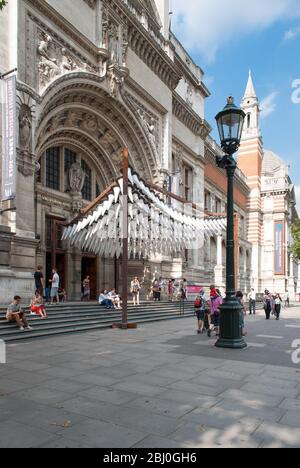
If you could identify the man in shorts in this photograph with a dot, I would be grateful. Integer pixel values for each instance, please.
(16, 314)
(54, 286)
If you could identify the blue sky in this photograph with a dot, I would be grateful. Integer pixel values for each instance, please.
(229, 37)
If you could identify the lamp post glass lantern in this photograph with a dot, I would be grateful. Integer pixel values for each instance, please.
(230, 125)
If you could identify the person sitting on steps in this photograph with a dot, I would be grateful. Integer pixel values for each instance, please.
(16, 314)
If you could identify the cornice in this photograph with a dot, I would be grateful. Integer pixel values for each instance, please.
(149, 45)
(199, 85)
(189, 118)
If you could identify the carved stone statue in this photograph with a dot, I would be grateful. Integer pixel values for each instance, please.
(67, 63)
(152, 130)
(76, 178)
(113, 44)
(25, 128)
(48, 67)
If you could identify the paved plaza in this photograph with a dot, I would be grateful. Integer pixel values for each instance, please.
(161, 386)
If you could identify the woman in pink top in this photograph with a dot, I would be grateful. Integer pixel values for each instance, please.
(216, 301)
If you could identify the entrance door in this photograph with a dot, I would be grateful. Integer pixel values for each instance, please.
(55, 257)
(89, 268)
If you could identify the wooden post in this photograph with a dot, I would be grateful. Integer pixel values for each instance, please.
(125, 325)
(125, 240)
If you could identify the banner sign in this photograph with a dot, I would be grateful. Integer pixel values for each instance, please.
(279, 248)
(9, 137)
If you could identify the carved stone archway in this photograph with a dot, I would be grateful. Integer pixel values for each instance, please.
(77, 108)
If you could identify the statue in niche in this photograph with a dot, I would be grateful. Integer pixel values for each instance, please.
(152, 130)
(25, 128)
(76, 178)
(113, 44)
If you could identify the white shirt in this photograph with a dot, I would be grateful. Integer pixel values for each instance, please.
(252, 296)
(55, 281)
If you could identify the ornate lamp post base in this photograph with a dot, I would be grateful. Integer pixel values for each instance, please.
(231, 325)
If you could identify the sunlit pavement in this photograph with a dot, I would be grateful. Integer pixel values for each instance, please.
(159, 386)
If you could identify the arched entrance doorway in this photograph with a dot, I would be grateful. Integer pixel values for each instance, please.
(80, 134)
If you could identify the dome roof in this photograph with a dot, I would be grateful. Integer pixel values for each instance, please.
(271, 162)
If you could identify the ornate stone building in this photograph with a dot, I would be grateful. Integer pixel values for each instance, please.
(95, 76)
(271, 207)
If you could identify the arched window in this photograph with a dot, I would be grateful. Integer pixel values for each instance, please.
(53, 168)
(87, 188)
(248, 120)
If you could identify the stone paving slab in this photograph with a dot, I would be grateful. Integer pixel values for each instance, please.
(153, 387)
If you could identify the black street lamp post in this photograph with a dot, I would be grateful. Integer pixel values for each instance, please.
(230, 125)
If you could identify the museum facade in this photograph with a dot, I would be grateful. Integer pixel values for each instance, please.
(85, 90)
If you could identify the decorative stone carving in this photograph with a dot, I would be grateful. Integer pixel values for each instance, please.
(25, 128)
(190, 95)
(113, 43)
(148, 120)
(116, 78)
(125, 45)
(55, 60)
(76, 178)
(77, 205)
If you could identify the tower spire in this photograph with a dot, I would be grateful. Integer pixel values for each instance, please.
(250, 91)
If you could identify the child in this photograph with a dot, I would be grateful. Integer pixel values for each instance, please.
(37, 307)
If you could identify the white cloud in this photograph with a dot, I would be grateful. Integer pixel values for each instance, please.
(205, 25)
(292, 33)
(268, 104)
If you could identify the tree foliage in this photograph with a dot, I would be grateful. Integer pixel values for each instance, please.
(2, 4)
(296, 239)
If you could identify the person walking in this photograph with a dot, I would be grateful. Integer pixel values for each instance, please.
(39, 281)
(252, 302)
(268, 304)
(277, 306)
(54, 286)
(86, 284)
(287, 299)
(135, 291)
(216, 301)
(16, 314)
(200, 309)
(156, 290)
(171, 288)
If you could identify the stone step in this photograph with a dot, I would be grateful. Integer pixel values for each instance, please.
(66, 328)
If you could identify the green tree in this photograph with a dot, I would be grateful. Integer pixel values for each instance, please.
(296, 239)
(2, 4)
